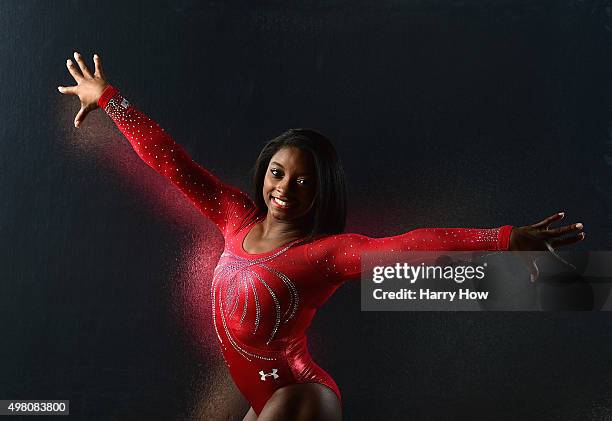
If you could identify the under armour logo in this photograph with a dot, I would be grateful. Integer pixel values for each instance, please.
(273, 374)
(125, 103)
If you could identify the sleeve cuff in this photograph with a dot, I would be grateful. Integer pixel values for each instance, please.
(106, 96)
(503, 241)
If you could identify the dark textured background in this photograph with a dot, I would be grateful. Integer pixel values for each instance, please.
(446, 113)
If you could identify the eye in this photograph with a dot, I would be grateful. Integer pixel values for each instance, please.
(276, 173)
(304, 182)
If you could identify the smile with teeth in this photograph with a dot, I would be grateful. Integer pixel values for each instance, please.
(281, 203)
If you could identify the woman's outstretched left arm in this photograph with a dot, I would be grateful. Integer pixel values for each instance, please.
(339, 256)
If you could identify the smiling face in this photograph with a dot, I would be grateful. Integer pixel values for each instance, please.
(290, 184)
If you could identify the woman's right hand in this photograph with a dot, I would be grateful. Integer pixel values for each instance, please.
(89, 87)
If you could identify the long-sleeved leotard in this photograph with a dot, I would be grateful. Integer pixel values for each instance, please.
(263, 303)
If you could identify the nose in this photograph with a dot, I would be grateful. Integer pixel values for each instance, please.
(283, 185)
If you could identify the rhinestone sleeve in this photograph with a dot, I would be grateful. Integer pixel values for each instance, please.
(339, 256)
(222, 204)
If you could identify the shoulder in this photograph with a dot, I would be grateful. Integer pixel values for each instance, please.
(324, 246)
(241, 210)
(337, 256)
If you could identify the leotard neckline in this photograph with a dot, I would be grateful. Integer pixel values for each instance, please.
(248, 229)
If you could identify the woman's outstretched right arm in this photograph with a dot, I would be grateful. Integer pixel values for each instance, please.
(222, 204)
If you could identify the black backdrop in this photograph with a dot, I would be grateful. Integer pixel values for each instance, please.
(445, 113)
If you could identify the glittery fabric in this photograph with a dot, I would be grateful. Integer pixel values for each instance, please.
(264, 303)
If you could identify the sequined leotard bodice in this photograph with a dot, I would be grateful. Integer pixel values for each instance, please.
(263, 303)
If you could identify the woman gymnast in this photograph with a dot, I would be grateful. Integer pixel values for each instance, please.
(285, 251)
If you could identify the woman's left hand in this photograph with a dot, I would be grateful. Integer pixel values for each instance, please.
(540, 237)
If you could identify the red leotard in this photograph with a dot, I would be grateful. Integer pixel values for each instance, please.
(263, 303)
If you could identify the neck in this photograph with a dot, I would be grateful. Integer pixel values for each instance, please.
(272, 229)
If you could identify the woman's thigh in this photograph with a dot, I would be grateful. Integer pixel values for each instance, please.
(302, 402)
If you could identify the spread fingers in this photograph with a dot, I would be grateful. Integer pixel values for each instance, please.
(82, 65)
(69, 90)
(99, 72)
(566, 241)
(74, 71)
(547, 221)
(557, 232)
(80, 116)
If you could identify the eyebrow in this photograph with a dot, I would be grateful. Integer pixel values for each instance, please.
(281, 165)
